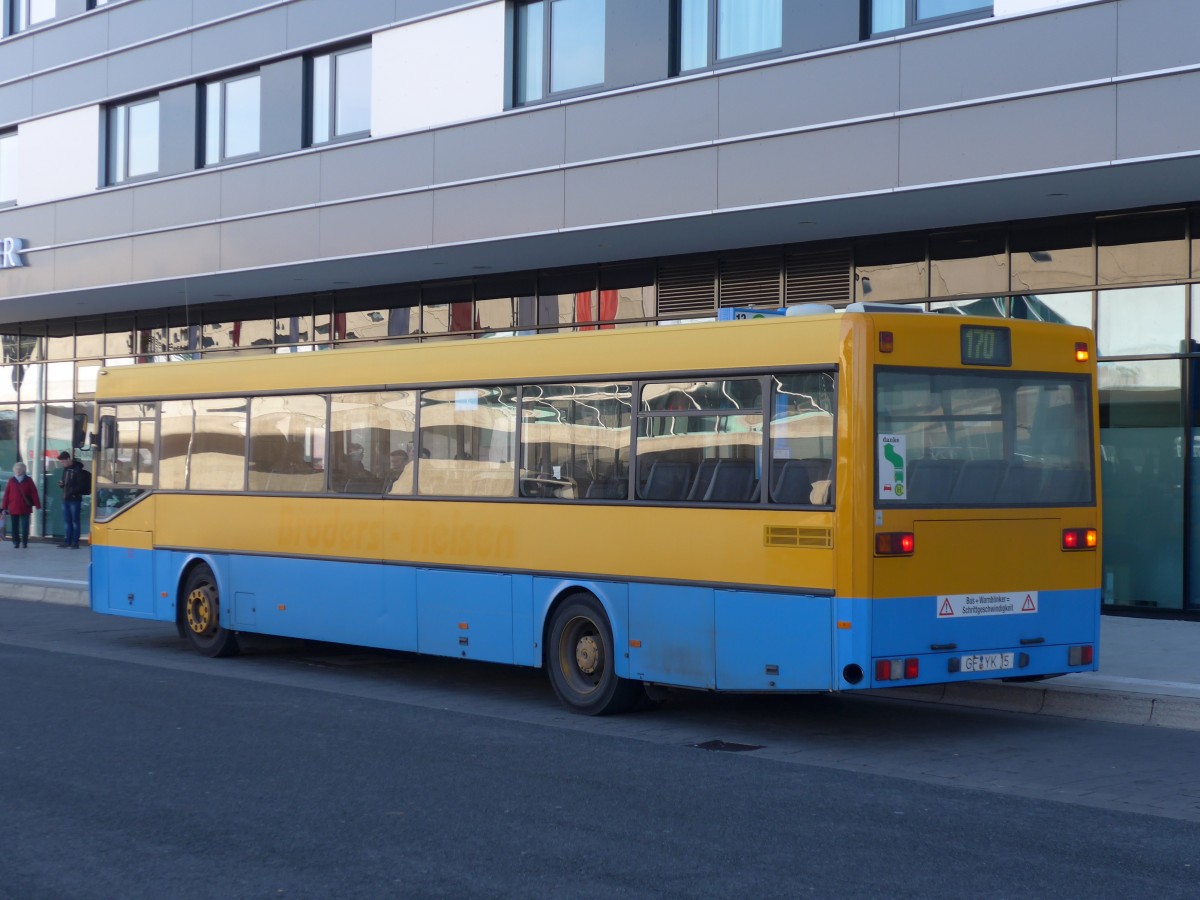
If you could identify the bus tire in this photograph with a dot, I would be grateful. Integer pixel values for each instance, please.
(581, 659)
(201, 615)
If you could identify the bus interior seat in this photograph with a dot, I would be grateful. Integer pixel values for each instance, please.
(979, 480)
(1022, 483)
(606, 490)
(792, 485)
(1066, 485)
(731, 481)
(818, 468)
(667, 481)
(932, 480)
(704, 477)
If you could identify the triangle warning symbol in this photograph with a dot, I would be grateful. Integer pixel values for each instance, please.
(946, 609)
(1029, 605)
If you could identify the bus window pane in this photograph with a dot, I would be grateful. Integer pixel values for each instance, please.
(468, 442)
(287, 444)
(380, 427)
(217, 461)
(575, 441)
(802, 429)
(700, 441)
(175, 422)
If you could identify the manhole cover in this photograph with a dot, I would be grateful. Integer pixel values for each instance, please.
(725, 746)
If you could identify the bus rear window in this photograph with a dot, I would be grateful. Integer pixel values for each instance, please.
(955, 439)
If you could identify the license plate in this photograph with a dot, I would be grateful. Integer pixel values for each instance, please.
(986, 662)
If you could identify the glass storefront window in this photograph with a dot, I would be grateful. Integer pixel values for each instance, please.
(1056, 255)
(1142, 247)
(1141, 438)
(968, 262)
(891, 270)
(1137, 321)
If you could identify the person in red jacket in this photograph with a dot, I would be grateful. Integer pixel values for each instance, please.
(19, 501)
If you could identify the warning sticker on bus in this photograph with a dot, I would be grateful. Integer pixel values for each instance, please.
(961, 606)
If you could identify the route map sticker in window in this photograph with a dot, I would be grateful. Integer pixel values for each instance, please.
(891, 467)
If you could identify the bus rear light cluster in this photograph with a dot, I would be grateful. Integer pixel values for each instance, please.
(1080, 656)
(896, 669)
(895, 543)
(1080, 539)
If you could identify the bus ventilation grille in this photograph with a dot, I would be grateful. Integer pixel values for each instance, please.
(795, 536)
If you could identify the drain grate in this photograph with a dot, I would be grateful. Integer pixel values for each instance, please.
(725, 747)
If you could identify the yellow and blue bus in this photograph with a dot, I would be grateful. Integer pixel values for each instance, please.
(825, 502)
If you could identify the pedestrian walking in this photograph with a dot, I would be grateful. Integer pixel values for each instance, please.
(76, 483)
(19, 501)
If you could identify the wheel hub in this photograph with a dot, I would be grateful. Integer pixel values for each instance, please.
(199, 610)
(587, 654)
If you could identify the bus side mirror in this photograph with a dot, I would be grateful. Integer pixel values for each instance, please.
(79, 431)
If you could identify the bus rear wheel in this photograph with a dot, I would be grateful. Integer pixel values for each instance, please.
(201, 615)
(580, 660)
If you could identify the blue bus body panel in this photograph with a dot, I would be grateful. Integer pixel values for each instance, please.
(122, 582)
(769, 642)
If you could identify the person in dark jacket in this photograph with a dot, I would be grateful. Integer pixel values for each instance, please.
(20, 499)
(75, 483)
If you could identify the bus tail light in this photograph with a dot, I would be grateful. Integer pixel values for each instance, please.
(895, 543)
(1080, 656)
(897, 669)
(1082, 353)
(1079, 539)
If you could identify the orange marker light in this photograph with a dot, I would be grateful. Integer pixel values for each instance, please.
(1082, 353)
(635, 644)
(886, 342)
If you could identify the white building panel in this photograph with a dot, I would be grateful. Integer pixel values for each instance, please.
(446, 69)
(1016, 7)
(59, 156)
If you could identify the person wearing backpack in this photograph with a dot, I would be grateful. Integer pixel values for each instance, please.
(19, 501)
(76, 484)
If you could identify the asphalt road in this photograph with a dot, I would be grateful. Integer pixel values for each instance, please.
(129, 767)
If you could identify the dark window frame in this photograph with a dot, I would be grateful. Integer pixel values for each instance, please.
(310, 76)
(712, 60)
(546, 94)
(222, 119)
(111, 175)
(984, 10)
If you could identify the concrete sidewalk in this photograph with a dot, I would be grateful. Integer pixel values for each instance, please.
(1150, 669)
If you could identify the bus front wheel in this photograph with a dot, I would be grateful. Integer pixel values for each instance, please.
(580, 660)
(201, 615)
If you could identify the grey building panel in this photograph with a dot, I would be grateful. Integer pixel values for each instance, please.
(316, 21)
(270, 240)
(17, 58)
(1149, 122)
(92, 265)
(1157, 34)
(129, 23)
(276, 184)
(673, 115)
(64, 8)
(1073, 46)
(526, 140)
(131, 70)
(643, 52)
(283, 108)
(16, 102)
(809, 165)
(73, 86)
(409, 9)
(74, 40)
(33, 223)
(648, 188)
(178, 132)
(176, 254)
(177, 202)
(235, 41)
(208, 10)
(374, 226)
(35, 277)
(1031, 134)
(358, 170)
(818, 24)
(496, 209)
(810, 91)
(101, 215)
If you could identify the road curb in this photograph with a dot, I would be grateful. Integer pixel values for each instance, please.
(1141, 703)
(45, 590)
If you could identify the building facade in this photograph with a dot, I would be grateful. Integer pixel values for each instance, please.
(186, 178)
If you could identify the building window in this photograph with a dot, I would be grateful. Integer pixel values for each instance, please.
(22, 14)
(558, 47)
(232, 113)
(341, 94)
(712, 31)
(132, 140)
(896, 15)
(8, 167)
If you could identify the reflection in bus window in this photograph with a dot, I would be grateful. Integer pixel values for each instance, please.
(287, 444)
(802, 429)
(203, 445)
(700, 441)
(575, 441)
(467, 442)
(379, 425)
(124, 468)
